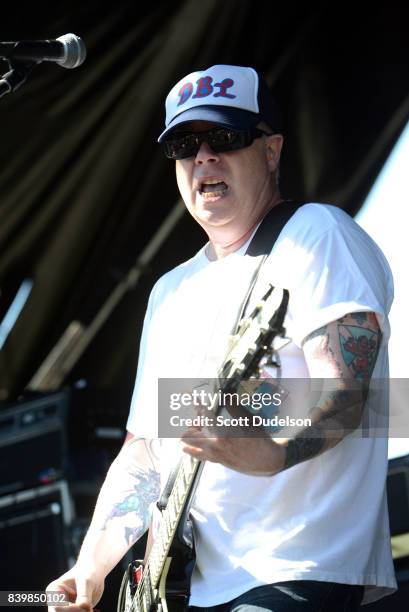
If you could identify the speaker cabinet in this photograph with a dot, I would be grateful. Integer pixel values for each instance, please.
(33, 534)
(32, 442)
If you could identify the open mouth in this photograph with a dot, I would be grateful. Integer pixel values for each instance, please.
(212, 188)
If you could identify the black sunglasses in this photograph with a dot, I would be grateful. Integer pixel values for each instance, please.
(186, 144)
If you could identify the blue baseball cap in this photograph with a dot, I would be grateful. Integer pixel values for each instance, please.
(235, 97)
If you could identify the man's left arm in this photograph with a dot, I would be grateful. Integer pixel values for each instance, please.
(342, 353)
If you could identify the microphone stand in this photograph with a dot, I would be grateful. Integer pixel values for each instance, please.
(17, 75)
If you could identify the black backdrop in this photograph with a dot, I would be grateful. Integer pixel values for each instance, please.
(84, 185)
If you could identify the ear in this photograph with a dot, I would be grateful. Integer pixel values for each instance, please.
(274, 145)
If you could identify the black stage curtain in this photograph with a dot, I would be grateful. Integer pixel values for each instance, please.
(84, 185)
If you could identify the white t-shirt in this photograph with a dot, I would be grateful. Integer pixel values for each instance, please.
(324, 519)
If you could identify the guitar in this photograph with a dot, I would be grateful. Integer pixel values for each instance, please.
(163, 582)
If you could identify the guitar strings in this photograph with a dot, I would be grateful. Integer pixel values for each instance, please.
(146, 576)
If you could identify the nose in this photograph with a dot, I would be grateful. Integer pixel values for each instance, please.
(206, 154)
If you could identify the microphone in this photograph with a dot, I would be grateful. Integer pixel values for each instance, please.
(68, 51)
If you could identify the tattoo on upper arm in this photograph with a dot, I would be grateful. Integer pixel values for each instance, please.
(360, 317)
(359, 347)
(359, 339)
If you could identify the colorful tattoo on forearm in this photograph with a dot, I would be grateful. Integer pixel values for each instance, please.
(136, 503)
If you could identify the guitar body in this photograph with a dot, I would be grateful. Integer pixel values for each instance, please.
(173, 592)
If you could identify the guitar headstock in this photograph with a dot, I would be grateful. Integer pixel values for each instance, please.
(255, 336)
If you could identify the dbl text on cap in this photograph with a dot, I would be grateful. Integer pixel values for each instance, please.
(231, 96)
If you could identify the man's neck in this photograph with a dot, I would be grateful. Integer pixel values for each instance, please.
(217, 248)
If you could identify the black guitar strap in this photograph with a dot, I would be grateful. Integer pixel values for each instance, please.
(261, 244)
(270, 228)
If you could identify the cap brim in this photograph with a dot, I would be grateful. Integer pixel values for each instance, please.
(235, 118)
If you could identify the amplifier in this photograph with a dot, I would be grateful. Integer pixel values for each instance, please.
(33, 532)
(32, 442)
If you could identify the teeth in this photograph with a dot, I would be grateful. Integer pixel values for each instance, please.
(212, 182)
(211, 194)
(211, 188)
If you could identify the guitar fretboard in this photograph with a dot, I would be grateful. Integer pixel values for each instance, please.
(170, 517)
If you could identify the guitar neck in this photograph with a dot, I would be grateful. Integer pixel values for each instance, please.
(187, 474)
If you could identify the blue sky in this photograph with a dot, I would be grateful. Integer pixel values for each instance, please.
(384, 216)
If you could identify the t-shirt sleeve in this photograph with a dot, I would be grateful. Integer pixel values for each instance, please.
(142, 419)
(331, 273)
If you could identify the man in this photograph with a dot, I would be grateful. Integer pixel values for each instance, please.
(297, 523)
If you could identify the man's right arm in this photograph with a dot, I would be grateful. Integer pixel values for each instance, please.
(121, 517)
